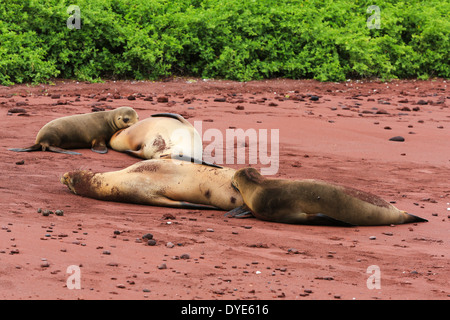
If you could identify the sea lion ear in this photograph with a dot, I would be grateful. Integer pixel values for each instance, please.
(253, 175)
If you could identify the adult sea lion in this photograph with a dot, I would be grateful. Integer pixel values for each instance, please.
(163, 135)
(82, 131)
(160, 182)
(312, 202)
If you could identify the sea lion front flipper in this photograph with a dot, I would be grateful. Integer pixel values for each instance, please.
(99, 146)
(34, 147)
(60, 150)
(322, 219)
(240, 213)
(166, 202)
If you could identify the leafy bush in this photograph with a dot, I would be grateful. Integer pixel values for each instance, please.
(233, 39)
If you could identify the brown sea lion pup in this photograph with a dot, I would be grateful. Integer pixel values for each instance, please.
(163, 135)
(312, 202)
(160, 182)
(89, 130)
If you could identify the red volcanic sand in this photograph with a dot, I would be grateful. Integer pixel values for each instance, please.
(342, 137)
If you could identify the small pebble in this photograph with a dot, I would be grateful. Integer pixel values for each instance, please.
(397, 138)
(151, 242)
(372, 238)
(162, 266)
(147, 236)
(170, 245)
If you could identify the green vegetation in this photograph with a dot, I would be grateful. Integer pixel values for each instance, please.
(232, 39)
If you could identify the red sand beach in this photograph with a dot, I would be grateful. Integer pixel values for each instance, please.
(338, 132)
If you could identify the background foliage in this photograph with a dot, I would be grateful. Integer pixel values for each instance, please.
(232, 39)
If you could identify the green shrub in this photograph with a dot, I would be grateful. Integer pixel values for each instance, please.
(233, 39)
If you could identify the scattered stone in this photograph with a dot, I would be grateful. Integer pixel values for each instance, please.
(170, 245)
(151, 242)
(116, 232)
(314, 98)
(185, 256)
(397, 138)
(240, 108)
(168, 216)
(162, 266)
(21, 162)
(59, 212)
(147, 236)
(422, 102)
(273, 104)
(17, 110)
(162, 99)
(107, 252)
(222, 99)
(210, 230)
(372, 238)
(113, 264)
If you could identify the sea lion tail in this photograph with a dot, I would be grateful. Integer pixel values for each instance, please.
(34, 147)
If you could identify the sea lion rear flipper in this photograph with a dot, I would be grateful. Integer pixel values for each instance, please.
(412, 218)
(322, 219)
(240, 212)
(99, 147)
(34, 147)
(60, 150)
(190, 159)
(171, 115)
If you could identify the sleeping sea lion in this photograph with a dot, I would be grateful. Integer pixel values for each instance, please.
(160, 182)
(312, 202)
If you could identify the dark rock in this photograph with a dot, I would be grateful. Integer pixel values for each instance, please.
(397, 138)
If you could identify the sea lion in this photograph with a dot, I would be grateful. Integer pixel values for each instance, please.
(163, 135)
(160, 182)
(312, 202)
(89, 130)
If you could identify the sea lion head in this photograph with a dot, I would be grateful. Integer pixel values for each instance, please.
(246, 177)
(124, 117)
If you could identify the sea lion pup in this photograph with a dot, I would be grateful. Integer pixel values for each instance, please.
(89, 130)
(160, 182)
(313, 202)
(163, 135)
